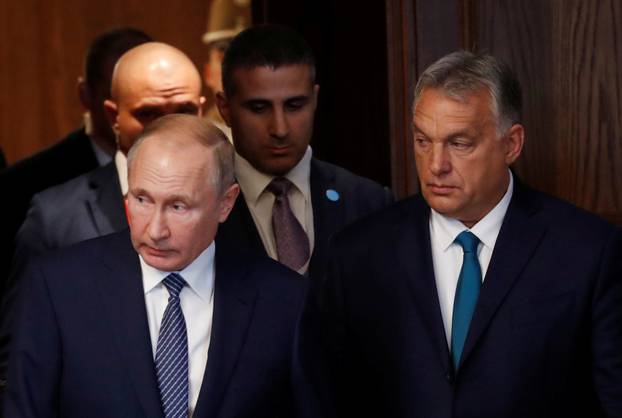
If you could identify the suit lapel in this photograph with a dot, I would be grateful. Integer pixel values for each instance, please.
(412, 242)
(239, 230)
(234, 301)
(124, 301)
(105, 202)
(518, 239)
(327, 213)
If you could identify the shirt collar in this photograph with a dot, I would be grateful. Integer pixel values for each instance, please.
(253, 182)
(120, 161)
(486, 230)
(199, 275)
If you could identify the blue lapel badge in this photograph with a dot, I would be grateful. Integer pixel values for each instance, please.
(332, 195)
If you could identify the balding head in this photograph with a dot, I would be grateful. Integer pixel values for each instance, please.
(149, 81)
(181, 188)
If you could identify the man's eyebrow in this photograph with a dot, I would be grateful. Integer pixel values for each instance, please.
(257, 100)
(299, 97)
(138, 191)
(178, 196)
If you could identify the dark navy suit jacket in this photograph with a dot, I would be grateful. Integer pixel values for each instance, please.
(545, 339)
(354, 198)
(82, 349)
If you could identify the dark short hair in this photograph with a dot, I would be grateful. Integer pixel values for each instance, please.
(109, 46)
(265, 46)
(461, 73)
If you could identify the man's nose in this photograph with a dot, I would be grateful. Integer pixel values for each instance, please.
(279, 126)
(439, 160)
(158, 227)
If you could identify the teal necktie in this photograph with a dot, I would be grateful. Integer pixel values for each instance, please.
(467, 291)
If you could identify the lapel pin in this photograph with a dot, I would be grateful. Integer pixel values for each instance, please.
(332, 195)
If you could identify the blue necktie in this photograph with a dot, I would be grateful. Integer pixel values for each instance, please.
(467, 291)
(172, 353)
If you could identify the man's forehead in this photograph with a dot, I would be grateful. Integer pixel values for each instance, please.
(269, 80)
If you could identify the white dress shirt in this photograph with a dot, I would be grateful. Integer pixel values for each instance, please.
(260, 201)
(197, 305)
(447, 255)
(120, 161)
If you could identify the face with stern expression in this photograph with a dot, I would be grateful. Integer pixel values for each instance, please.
(174, 202)
(270, 113)
(462, 158)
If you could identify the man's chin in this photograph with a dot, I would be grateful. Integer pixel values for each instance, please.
(160, 260)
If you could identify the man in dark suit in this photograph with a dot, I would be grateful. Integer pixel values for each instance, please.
(79, 152)
(149, 81)
(160, 320)
(291, 201)
(478, 298)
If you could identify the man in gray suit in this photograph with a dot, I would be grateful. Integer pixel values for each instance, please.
(149, 81)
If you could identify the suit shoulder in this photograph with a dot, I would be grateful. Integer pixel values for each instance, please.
(385, 221)
(59, 162)
(80, 254)
(347, 179)
(65, 194)
(272, 277)
(563, 215)
(62, 196)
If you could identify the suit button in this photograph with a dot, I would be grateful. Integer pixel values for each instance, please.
(450, 377)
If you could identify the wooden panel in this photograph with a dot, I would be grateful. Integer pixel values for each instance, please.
(401, 59)
(42, 51)
(520, 34)
(568, 56)
(587, 57)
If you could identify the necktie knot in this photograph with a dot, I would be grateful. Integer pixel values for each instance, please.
(279, 187)
(174, 283)
(468, 241)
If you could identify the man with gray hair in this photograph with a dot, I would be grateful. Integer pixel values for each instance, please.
(480, 297)
(160, 320)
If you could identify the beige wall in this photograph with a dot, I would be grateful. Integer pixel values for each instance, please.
(42, 46)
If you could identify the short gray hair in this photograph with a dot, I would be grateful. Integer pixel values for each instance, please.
(203, 133)
(462, 73)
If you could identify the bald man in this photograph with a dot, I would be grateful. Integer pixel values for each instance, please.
(149, 81)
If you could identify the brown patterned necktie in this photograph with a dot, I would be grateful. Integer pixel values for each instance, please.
(292, 243)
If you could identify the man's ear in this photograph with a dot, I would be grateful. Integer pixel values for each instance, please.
(84, 94)
(223, 107)
(227, 201)
(316, 92)
(112, 111)
(515, 139)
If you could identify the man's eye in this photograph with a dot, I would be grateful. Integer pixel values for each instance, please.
(422, 142)
(257, 107)
(178, 207)
(460, 145)
(295, 105)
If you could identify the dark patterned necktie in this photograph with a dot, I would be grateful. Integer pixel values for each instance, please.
(172, 353)
(292, 243)
(467, 292)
